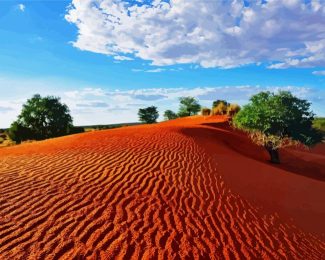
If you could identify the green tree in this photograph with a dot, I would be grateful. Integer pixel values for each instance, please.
(188, 106)
(19, 133)
(148, 115)
(170, 115)
(278, 120)
(41, 118)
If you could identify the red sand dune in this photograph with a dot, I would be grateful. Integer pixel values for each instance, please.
(188, 188)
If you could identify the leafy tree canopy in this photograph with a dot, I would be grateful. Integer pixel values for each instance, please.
(188, 106)
(41, 118)
(278, 120)
(170, 115)
(148, 115)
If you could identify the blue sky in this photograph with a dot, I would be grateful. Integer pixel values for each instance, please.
(106, 58)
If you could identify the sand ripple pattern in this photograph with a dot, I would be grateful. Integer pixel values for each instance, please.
(137, 193)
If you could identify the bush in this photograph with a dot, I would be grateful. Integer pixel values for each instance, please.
(319, 123)
(188, 106)
(278, 120)
(170, 115)
(148, 115)
(18, 133)
(76, 130)
(205, 111)
(220, 109)
(233, 109)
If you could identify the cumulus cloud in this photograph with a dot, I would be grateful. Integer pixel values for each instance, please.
(168, 98)
(319, 72)
(102, 106)
(212, 33)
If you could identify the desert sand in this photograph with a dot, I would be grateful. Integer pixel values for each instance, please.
(183, 189)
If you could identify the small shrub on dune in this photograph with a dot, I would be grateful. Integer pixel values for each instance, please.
(233, 109)
(170, 115)
(205, 111)
(220, 109)
(18, 133)
(276, 121)
(76, 130)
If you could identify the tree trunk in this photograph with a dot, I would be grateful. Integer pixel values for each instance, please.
(274, 153)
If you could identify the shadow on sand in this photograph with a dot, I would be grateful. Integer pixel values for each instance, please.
(296, 160)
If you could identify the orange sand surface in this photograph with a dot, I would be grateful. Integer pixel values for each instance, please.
(183, 189)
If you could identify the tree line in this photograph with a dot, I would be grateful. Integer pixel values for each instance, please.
(271, 120)
(189, 106)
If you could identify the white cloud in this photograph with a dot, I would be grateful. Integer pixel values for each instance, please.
(100, 106)
(157, 70)
(319, 72)
(212, 33)
(119, 58)
(89, 92)
(21, 7)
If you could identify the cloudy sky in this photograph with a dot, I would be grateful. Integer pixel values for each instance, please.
(108, 58)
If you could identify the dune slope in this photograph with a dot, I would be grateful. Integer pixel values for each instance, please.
(186, 188)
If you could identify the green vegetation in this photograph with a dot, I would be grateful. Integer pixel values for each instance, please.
(170, 115)
(319, 123)
(148, 115)
(233, 109)
(189, 106)
(278, 120)
(41, 118)
(222, 107)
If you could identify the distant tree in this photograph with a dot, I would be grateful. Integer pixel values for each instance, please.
(76, 130)
(148, 115)
(188, 106)
(170, 115)
(41, 118)
(205, 111)
(278, 120)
